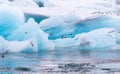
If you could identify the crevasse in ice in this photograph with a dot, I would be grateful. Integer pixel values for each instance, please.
(67, 29)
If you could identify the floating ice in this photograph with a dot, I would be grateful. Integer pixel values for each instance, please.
(27, 38)
(51, 22)
(2, 44)
(31, 30)
(59, 26)
(10, 19)
(15, 46)
(100, 38)
(33, 42)
(69, 30)
(75, 26)
(23, 3)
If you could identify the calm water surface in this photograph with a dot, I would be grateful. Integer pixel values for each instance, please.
(47, 62)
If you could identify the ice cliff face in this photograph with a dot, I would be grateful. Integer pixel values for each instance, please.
(66, 24)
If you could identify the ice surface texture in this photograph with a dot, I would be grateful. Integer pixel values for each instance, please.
(10, 19)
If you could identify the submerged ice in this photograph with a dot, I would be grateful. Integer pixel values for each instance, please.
(67, 29)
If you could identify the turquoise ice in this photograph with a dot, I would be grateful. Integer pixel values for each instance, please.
(10, 19)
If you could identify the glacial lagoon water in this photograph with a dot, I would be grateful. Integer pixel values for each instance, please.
(67, 61)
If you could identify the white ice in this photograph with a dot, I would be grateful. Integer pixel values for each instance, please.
(15, 46)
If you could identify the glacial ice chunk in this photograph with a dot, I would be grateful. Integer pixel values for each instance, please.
(59, 26)
(24, 3)
(69, 30)
(99, 38)
(53, 21)
(15, 46)
(31, 30)
(10, 19)
(2, 44)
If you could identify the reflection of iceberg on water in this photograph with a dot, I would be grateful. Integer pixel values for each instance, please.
(68, 29)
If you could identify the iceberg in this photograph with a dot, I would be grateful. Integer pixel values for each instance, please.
(96, 39)
(23, 3)
(59, 26)
(63, 28)
(49, 23)
(29, 27)
(105, 38)
(16, 46)
(10, 21)
(31, 30)
(27, 38)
